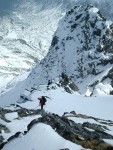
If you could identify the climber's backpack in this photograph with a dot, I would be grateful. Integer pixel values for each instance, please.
(44, 100)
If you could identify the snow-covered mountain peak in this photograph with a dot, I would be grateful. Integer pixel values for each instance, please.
(104, 6)
(81, 48)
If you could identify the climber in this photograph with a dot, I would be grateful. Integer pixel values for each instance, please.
(42, 101)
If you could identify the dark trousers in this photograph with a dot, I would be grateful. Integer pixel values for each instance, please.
(41, 106)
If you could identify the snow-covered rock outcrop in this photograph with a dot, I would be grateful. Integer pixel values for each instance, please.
(104, 6)
(86, 134)
(82, 48)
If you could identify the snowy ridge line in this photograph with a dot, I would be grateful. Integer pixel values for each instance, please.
(102, 121)
(82, 134)
(16, 135)
(104, 6)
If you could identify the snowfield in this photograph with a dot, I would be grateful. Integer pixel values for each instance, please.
(42, 136)
(60, 101)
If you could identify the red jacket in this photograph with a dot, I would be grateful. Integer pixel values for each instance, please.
(41, 101)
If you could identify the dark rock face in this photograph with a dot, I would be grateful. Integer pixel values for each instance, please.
(1, 139)
(22, 112)
(3, 112)
(109, 76)
(4, 128)
(96, 47)
(54, 41)
(68, 85)
(65, 82)
(87, 134)
(97, 32)
(77, 133)
(25, 112)
(63, 124)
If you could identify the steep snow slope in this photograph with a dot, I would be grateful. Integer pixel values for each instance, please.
(82, 48)
(10, 93)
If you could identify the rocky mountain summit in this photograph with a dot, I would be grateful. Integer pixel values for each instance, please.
(82, 48)
(104, 6)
